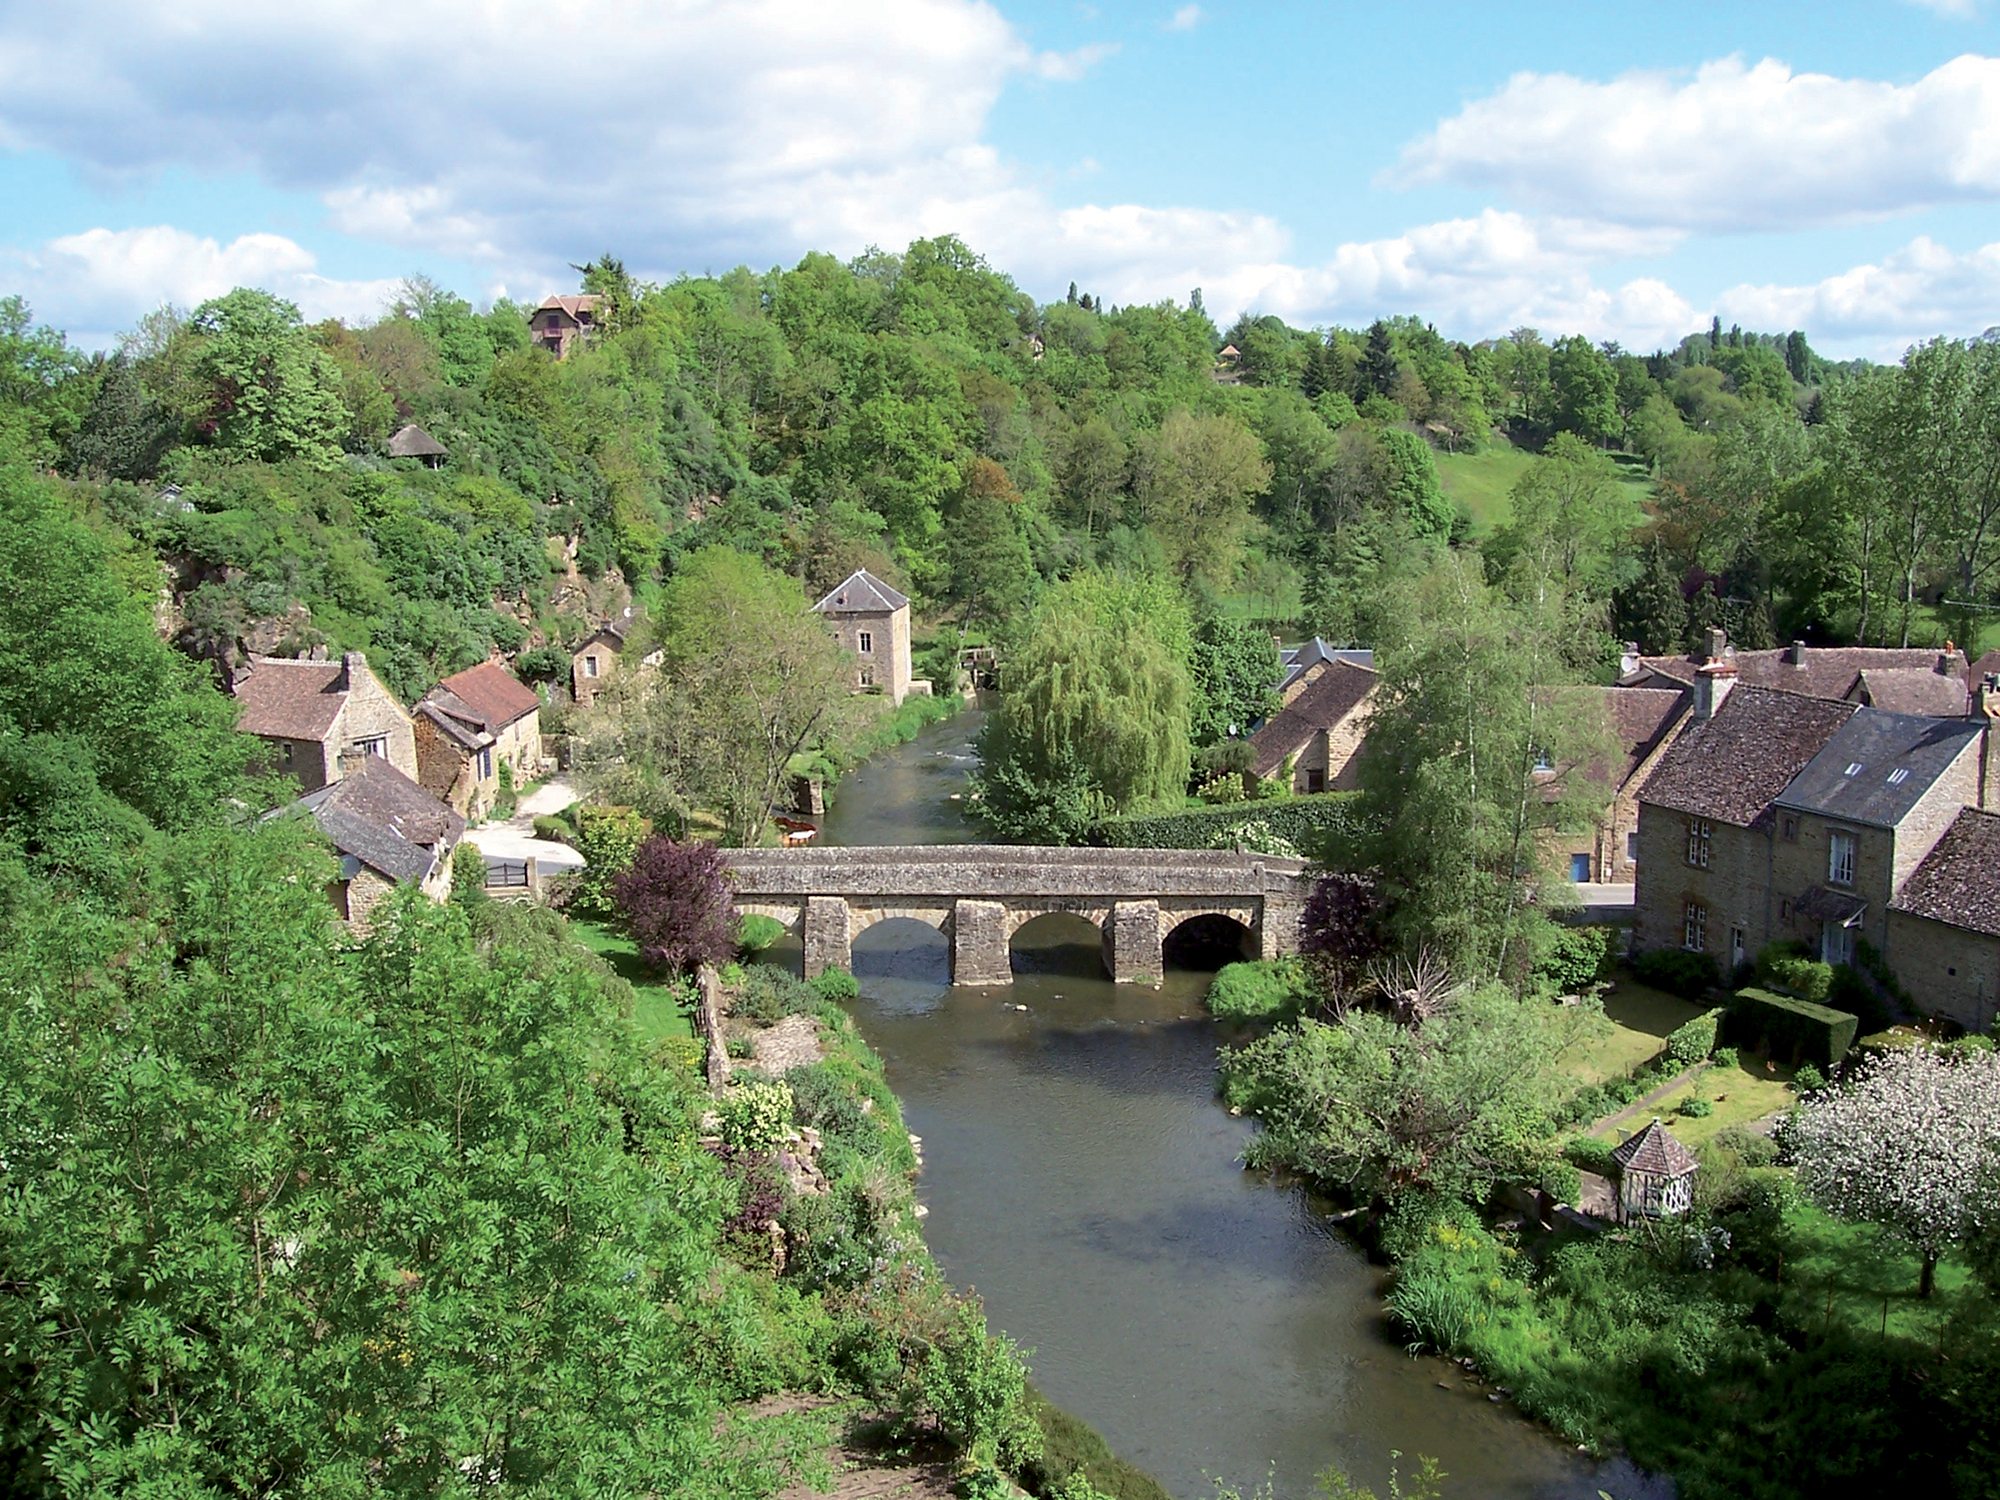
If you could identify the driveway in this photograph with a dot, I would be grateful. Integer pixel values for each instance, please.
(514, 838)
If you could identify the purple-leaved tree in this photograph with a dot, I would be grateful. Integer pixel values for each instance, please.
(675, 899)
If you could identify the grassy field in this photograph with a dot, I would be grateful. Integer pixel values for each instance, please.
(1638, 1020)
(1839, 1272)
(656, 1007)
(1481, 481)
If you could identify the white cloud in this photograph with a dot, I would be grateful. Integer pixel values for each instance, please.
(1918, 292)
(1733, 147)
(1956, 10)
(102, 279)
(1068, 67)
(1185, 19)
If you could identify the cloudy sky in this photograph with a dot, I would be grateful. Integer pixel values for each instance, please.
(1616, 169)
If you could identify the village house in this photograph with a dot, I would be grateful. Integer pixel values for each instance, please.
(308, 712)
(1778, 817)
(1903, 681)
(472, 729)
(1300, 666)
(387, 831)
(1640, 723)
(1319, 731)
(872, 623)
(560, 322)
(600, 656)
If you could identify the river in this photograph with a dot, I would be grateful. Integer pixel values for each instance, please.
(1082, 1178)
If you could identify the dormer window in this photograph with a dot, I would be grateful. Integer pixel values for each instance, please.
(1898, 776)
(1853, 769)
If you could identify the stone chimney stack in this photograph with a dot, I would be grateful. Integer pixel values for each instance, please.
(351, 759)
(1712, 685)
(1628, 658)
(352, 663)
(1717, 645)
(1795, 654)
(1951, 661)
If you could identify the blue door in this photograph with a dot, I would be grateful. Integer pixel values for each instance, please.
(1579, 868)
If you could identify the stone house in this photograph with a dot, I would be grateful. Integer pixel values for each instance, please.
(1944, 924)
(595, 662)
(1902, 681)
(560, 322)
(470, 728)
(872, 623)
(1319, 730)
(387, 830)
(309, 712)
(1301, 666)
(1640, 723)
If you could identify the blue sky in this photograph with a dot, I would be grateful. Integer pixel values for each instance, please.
(1623, 171)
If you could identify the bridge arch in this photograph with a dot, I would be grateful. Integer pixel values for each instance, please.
(1056, 940)
(905, 947)
(1207, 939)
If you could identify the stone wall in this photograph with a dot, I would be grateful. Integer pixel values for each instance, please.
(887, 659)
(369, 712)
(1735, 887)
(1946, 970)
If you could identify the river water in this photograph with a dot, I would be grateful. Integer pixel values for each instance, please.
(1082, 1178)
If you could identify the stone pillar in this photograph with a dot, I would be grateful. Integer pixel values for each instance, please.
(1278, 926)
(979, 950)
(827, 936)
(1132, 943)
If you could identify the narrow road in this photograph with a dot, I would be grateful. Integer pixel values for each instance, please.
(514, 838)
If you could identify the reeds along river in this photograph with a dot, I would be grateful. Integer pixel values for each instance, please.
(1082, 1178)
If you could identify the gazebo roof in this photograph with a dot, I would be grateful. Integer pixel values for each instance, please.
(413, 442)
(1656, 1152)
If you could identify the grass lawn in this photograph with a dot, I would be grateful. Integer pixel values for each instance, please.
(1638, 1020)
(1749, 1091)
(1482, 480)
(655, 1007)
(1857, 1274)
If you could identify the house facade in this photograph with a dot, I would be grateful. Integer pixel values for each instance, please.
(1320, 730)
(561, 322)
(1301, 666)
(471, 728)
(1640, 723)
(594, 663)
(308, 713)
(1944, 924)
(387, 831)
(872, 623)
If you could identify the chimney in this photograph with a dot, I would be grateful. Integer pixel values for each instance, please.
(1628, 659)
(1795, 654)
(351, 759)
(1717, 645)
(351, 663)
(1711, 686)
(1951, 661)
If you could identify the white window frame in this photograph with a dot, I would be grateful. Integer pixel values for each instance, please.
(1839, 869)
(375, 744)
(1694, 927)
(1700, 832)
(590, 665)
(865, 642)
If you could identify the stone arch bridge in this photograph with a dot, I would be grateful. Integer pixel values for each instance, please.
(980, 895)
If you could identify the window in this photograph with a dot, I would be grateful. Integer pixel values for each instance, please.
(590, 666)
(1784, 908)
(1853, 768)
(376, 744)
(1698, 832)
(286, 753)
(1544, 761)
(868, 677)
(1737, 947)
(1836, 943)
(1788, 827)
(1315, 781)
(1840, 858)
(1898, 776)
(1579, 869)
(1632, 847)
(866, 642)
(1694, 927)
(486, 765)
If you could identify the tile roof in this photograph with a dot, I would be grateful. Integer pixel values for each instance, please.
(292, 700)
(1831, 672)
(1958, 882)
(1655, 1151)
(1640, 718)
(379, 816)
(861, 592)
(1731, 766)
(1855, 776)
(584, 302)
(1335, 695)
(495, 695)
(1912, 690)
(462, 724)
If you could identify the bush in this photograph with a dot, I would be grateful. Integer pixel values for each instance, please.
(1795, 974)
(1416, 1219)
(1678, 972)
(1696, 1108)
(1725, 1057)
(834, 985)
(542, 664)
(1807, 1078)
(1750, 1148)
(1690, 1043)
(1852, 992)
(675, 900)
(1590, 1154)
(1795, 1030)
(766, 993)
(1257, 991)
(468, 876)
(555, 829)
(755, 933)
(975, 1385)
(1304, 822)
(607, 838)
(755, 1116)
(1561, 1181)
(1575, 958)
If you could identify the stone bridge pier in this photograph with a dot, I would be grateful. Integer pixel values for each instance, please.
(979, 897)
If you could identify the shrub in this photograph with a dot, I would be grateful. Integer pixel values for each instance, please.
(1258, 991)
(683, 1054)
(1590, 1154)
(755, 933)
(834, 985)
(755, 1115)
(1561, 1181)
(1416, 1219)
(1725, 1057)
(829, 1103)
(554, 829)
(607, 838)
(1750, 1148)
(1807, 978)
(1807, 1078)
(1258, 837)
(766, 993)
(1696, 1108)
(1574, 958)
(1796, 1030)
(542, 664)
(675, 900)
(1678, 972)
(468, 876)
(975, 1385)
(1852, 992)
(1690, 1043)
(1222, 790)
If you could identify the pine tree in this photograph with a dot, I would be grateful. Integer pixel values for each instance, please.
(1652, 611)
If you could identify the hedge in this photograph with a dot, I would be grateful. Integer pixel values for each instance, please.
(1304, 821)
(1795, 1029)
(1690, 1043)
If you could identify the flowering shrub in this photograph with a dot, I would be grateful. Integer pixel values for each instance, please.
(755, 1116)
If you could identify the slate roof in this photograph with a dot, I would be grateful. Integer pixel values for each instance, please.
(1298, 660)
(1335, 695)
(1832, 672)
(413, 442)
(1854, 776)
(1912, 690)
(292, 700)
(1732, 766)
(1958, 882)
(861, 593)
(1653, 1150)
(494, 695)
(377, 815)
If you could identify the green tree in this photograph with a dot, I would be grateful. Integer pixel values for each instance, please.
(1651, 610)
(992, 575)
(1567, 541)
(1193, 486)
(1585, 389)
(41, 402)
(1236, 671)
(1414, 490)
(268, 392)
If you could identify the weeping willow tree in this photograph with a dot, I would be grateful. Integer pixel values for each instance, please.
(1093, 717)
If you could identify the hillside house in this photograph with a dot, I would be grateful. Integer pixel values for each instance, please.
(872, 623)
(560, 322)
(1320, 729)
(473, 727)
(387, 831)
(600, 657)
(308, 712)
(1944, 924)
